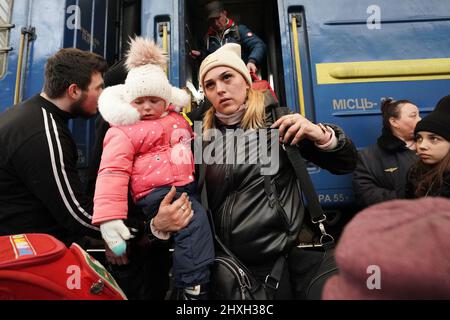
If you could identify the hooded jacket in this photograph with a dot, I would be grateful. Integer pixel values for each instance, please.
(144, 155)
(254, 226)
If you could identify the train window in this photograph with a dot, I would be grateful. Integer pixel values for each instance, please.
(5, 27)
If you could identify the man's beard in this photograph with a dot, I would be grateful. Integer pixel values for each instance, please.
(77, 110)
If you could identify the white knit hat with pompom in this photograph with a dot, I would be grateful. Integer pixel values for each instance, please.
(146, 78)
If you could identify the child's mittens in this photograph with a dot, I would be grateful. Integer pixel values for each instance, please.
(115, 233)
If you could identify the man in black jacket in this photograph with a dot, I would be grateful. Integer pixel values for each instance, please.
(40, 190)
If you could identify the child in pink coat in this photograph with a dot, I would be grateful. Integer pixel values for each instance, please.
(148, 148)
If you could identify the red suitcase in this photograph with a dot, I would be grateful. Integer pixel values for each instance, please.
(39, 267)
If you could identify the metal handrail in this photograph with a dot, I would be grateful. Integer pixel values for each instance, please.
(6, 50)
(7, 26)
(27, 34)
(165, 44)
(298, 68)
(19, 69)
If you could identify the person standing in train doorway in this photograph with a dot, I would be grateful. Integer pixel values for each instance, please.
(223, 30)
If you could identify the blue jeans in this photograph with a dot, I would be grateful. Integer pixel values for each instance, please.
(194, 246)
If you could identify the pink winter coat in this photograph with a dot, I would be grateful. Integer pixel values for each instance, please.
(152, 153)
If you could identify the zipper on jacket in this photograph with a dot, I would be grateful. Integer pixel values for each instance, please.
(228, 214)
(241, 276)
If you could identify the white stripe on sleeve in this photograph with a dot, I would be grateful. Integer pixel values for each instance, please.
(63, 169)
(55, 173)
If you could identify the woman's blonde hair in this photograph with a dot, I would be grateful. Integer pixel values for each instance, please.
(254, 118)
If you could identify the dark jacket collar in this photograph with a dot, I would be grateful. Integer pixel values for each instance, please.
(52, 108)
(390, 143)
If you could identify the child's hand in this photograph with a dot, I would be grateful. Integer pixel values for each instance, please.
(113, 259)
(115, 233)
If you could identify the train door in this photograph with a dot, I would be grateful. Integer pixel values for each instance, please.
(22, 57)
(90, 26)
(103, 27)
(341, 58)
(180, 26)
(261, 17)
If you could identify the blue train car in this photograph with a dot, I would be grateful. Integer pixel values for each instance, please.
(354, 54)
(334, 61)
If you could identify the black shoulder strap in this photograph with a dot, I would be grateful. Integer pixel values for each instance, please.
(298, 164)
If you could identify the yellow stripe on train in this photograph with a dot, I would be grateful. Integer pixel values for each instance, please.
(379, 71)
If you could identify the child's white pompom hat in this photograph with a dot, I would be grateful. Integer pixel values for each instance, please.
(146, 77)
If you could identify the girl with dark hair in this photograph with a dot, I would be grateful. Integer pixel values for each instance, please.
(381, 171)
(431, 175)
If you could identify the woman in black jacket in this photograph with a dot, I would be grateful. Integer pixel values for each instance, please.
(380, 174)
(258, 225)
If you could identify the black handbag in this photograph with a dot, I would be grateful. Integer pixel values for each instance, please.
(310, 266)
(231, 280)
(310, 269)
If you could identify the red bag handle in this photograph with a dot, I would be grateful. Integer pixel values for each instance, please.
(254, 76)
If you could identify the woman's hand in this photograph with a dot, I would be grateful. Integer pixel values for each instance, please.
(294, 127)
(173, 217)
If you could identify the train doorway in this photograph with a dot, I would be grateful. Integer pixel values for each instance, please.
(260, 16)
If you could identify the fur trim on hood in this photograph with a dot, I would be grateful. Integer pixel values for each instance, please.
(180, 98)
(115, 109)
(146, 78)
